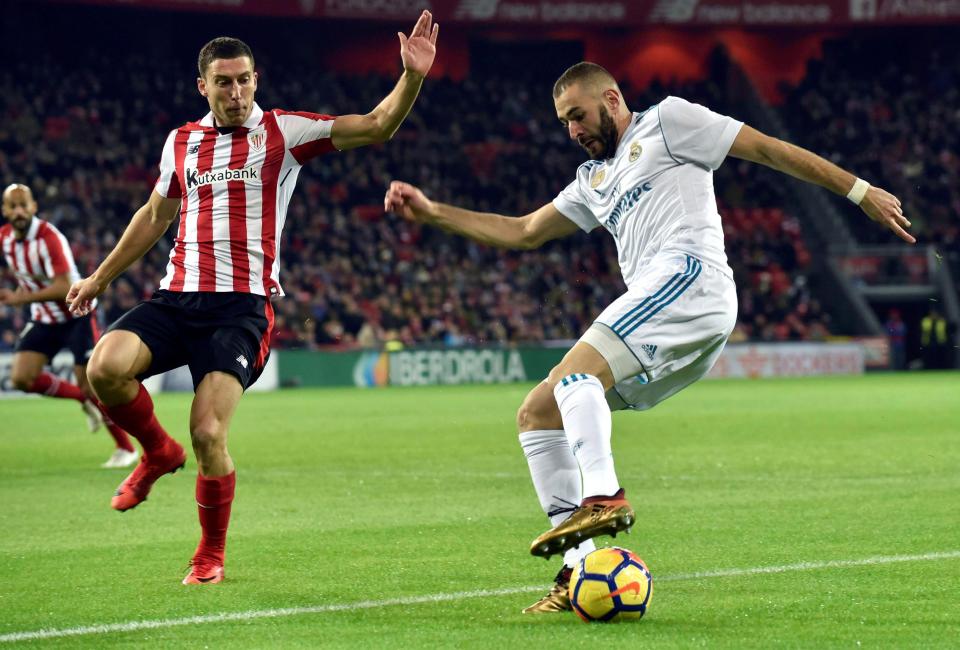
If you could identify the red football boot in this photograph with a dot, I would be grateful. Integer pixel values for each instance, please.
(136, 487)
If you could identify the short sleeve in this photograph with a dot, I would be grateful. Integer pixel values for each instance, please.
(695, 134)
(570, 204)
(168, 185)
(307, 135)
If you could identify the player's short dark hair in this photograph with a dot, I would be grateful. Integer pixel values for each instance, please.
(582, 72)
(222, 47)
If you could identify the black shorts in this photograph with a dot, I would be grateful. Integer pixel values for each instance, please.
(79, 335)
(207, 331)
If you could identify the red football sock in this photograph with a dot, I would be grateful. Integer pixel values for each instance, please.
(119, 435)
(49, 384)
(214, 498)
(138, 419)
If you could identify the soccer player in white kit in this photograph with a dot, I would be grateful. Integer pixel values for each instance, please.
(649, 182)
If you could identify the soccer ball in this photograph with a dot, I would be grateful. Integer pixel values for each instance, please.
(610, 584)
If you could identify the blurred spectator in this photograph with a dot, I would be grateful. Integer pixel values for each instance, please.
(892, 121)
(897, 336)
(934, 340)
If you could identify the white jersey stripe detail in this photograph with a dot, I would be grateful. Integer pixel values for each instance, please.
(220, 221)
(191, 249)
(254, 216)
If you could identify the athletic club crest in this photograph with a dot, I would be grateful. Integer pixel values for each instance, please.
(597, 179)
(256, 139)
(635, 151)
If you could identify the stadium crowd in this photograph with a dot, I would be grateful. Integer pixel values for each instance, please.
(894, 122)
(357, 277)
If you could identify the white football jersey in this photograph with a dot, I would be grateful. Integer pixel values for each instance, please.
(656, 193)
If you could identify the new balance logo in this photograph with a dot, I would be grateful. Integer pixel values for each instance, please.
(194, 149)
(649, 349)
(242, 360)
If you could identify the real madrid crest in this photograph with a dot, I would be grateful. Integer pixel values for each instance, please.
(597, 178)
(635, 151)
(257, 139)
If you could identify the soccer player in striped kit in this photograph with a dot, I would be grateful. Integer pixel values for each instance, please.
(649, 182)
(41, 260)
(230, 176)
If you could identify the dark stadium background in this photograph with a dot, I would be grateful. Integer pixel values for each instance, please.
(88, 91)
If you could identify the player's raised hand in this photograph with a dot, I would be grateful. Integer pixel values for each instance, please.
(418, 50)
(408, 201)
(885, 209)
(81, 295)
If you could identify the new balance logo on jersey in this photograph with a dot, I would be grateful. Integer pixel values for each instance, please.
(196, 179)
(194, 149)
(242, 360)
(649, 349)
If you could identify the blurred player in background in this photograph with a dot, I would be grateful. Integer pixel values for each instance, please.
(649, 182)
(230, 176)
(41, 260)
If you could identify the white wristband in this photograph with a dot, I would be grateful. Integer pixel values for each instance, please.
(858, 191)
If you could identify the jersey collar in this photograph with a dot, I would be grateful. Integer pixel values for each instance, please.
(628, 132)
(256, 115)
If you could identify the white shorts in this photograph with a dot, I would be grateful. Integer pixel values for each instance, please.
(666, 332)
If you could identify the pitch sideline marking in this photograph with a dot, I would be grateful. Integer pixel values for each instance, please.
(133, 626)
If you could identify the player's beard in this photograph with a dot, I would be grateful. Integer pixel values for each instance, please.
(21, 224)
(607, 136)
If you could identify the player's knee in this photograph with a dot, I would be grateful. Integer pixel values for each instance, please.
(23, 380)
(208, 437)
(539, 410)
(105, 370)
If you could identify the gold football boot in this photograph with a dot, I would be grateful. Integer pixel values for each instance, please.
(557, 599)
(596, 516)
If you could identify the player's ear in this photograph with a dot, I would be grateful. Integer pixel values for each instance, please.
(612, 98)
(201, 86)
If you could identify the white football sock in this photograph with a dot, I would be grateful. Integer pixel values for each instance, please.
(587, 422)
(556, 478)
(574, 555)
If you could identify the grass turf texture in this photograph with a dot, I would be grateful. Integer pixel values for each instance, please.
(346, 496)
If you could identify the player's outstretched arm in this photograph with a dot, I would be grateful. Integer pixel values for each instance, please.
(145, 229)
(878, 204)
(526, 232)
(417, 52)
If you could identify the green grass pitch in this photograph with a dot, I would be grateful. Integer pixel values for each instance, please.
(771, 513)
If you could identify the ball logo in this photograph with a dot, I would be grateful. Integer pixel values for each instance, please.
(633, 586)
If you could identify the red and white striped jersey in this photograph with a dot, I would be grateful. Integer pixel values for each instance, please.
(235, 188)
(42, 254)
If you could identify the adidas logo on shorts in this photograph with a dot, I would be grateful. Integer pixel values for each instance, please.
(649, 349)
